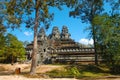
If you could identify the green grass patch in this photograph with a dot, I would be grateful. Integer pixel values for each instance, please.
(80, 71)
(60, 74)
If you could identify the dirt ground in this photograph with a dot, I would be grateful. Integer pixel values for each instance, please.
(8, 68)
(7, 72)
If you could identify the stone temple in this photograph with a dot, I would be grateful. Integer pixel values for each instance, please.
(58, 47)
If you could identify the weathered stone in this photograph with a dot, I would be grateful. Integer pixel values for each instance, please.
(55, 33)
(41, 35)
(65, 34)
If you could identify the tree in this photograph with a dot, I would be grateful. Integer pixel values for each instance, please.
(87, 10)
(108, 37)
(2, 39)
(2, 31)
(21, 11)
(13, 49)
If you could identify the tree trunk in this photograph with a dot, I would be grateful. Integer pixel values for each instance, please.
(93, 32)
(95, 47)
(94, 35)
(12, 62)
(34, 53)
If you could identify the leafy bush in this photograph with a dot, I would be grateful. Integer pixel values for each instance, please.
(115, 69)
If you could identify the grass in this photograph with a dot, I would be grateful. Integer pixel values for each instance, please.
(80, 71)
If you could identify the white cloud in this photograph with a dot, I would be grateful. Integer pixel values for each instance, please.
(86, 41)
(28, 33)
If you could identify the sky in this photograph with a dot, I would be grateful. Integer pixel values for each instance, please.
(61, 17)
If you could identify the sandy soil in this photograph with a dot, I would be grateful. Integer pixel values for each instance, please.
(7, 72)
(8, 68)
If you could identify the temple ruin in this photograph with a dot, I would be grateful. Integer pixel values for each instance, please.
(58, 47)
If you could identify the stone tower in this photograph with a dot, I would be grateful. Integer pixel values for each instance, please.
(42, 56)
(55, 33)
(65, 34)
(41, 35)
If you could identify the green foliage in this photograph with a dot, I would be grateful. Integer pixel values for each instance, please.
(68, 72)
(65, 73)
(108, 35)
(59, 74)
(86, 9)
(12, 50)
(17, 12)
(108, 38)
(115, 69)
(74, 70)
(2, 39)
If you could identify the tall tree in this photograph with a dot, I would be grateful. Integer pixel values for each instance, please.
(14, 48)
(2, 31)
(2, 38)
(108, 34)
(86, 10)
(108, 37)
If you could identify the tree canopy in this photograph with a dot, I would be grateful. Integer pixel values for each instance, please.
(108, 38)
(12, 50)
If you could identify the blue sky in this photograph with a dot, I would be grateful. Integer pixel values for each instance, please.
(61, 17)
